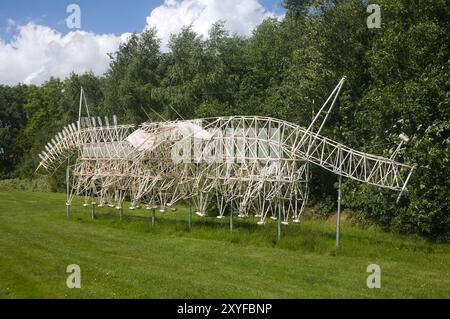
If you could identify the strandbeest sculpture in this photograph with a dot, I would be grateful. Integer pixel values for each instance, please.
(255, 165)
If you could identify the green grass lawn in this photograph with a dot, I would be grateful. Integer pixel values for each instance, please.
(132, 258)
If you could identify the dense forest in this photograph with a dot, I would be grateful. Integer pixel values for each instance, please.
(397, 82)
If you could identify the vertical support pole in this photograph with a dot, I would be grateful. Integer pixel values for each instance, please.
(231, 219)
(68, 186)
(338, 217)
(279, 220)
(93, 209)
(121, 211)
(153, 216)
(67, 209)
(190, 214)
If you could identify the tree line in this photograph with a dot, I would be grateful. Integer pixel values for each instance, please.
(397, 82)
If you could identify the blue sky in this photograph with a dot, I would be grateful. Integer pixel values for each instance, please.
(36, 43)
(112, 16)
(99, 16)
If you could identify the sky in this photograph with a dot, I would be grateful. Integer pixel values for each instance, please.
(36, 41)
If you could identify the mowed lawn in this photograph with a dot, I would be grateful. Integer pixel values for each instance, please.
(133, 259)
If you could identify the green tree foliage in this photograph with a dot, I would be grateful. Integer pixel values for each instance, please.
(45, 111)
(184, 71)
(408, 93)
(132, 81)
(12, 121)
(225, 69)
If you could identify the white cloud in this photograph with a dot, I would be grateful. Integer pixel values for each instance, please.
(38, 52)
(239, 16)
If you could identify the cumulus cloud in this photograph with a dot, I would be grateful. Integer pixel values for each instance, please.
(239, 16)
(38, 52)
